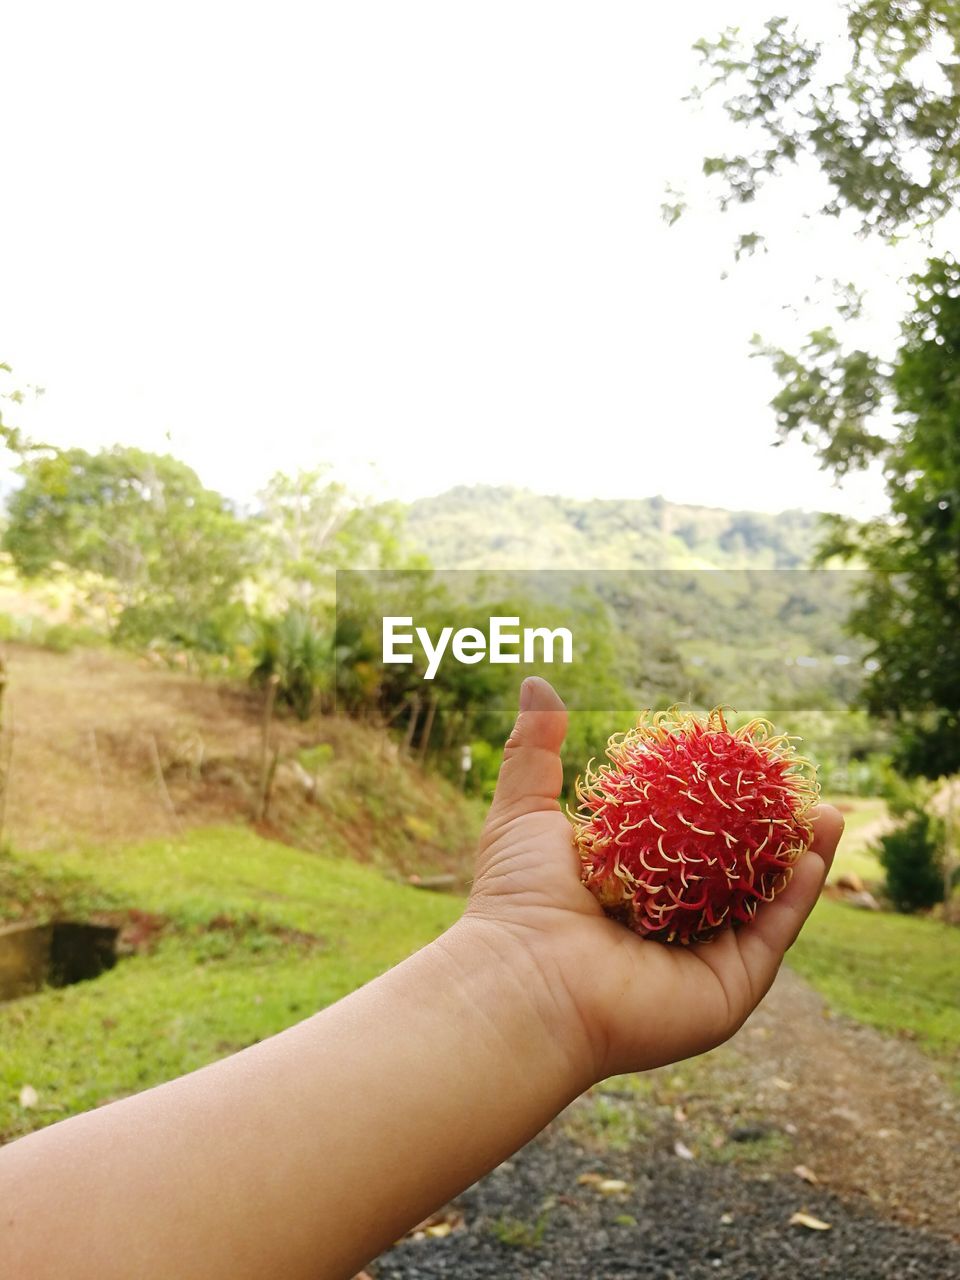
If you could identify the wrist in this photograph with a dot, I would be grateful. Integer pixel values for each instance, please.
(509, 976)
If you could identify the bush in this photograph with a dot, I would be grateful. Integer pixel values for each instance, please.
(911, 858)
(292, 649)
(60, 637)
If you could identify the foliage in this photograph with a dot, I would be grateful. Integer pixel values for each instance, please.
(439, 716)
(11, 437)
(885, 136)
(909, 606)
(60, 637)
(487, 527)
(471, 704)
(677, 634)
(911, 858)
(851, 748)
(172, 551)
(308, 525)
(293, 650)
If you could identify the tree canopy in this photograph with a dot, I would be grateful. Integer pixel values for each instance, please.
(12, 437)
(885, 134)
(172, 551)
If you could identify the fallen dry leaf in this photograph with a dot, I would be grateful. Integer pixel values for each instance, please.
(780, 1083)
(606, 1186)
(437, 1226)
(29, 1096)
(806, 1220)
(806, 1174)
(612, 1187)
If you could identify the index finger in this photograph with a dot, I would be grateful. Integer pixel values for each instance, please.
(777, 924)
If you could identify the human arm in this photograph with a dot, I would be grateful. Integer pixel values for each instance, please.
(311, 1152)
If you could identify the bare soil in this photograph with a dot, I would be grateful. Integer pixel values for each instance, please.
(80, 729)
(865, 1113)
(87, 735)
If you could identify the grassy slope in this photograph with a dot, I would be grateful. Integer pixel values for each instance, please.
(259, 935)
(898, 973)
(227, 971)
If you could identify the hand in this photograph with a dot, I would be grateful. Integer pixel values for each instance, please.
(622, 1003)
(400, 1095)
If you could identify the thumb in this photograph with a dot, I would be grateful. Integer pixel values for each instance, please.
(531, 774)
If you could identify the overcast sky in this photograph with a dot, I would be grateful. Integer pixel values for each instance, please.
(423, 236)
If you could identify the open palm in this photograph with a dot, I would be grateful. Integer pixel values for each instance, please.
(638, 1003)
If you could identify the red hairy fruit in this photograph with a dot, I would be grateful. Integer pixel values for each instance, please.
(691, 825)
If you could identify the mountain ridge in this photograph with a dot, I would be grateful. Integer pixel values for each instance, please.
(507, 527)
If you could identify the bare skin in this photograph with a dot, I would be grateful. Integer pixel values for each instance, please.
(308, 1154)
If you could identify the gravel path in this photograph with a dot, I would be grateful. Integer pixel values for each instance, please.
(866, 1111)
(797, 1095)
(677, 1220)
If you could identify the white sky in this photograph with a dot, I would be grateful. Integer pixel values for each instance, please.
(425, 236)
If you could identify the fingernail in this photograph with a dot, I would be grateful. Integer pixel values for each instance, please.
(526, 695)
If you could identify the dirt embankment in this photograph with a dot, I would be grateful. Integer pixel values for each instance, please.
(106, 748)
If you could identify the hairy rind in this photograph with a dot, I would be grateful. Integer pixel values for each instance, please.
(625, 894)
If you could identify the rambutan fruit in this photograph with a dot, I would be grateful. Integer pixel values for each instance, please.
(691, 825)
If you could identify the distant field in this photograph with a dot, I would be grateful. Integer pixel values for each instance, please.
(259, 935)
(865, 819)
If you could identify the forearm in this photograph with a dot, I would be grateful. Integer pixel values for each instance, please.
(309, 1153)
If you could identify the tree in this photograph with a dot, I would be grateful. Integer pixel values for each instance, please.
(310, 525)
(12, 437)
(172, 551)
(885, 136)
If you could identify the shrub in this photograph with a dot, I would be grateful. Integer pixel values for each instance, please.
(911, 858)
(292, 649)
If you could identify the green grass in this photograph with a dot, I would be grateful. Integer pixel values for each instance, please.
(259, 935)
(898, 973)
(608, 1124)
(855, 854)
(518, 1234)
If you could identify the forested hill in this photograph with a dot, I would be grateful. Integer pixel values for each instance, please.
(504, 528)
